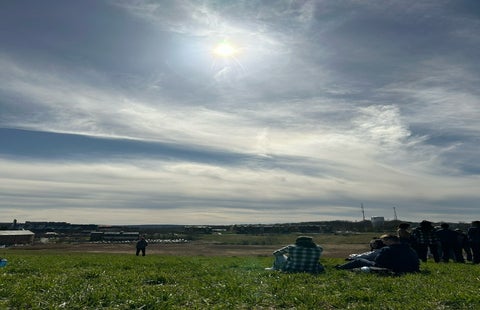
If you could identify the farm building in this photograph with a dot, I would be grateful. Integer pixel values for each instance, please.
(114, 236)
(11, 237)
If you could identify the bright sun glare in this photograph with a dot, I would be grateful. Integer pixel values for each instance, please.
(225, 50)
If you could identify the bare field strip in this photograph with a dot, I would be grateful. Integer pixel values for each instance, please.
(192, 249)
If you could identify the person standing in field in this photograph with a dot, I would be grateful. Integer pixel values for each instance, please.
(474, 240)
(450, 245)
(141, 246)
(424, 239)
(464, 244)
(303, 256)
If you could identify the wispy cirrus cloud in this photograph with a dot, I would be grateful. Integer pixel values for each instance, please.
(324, 106)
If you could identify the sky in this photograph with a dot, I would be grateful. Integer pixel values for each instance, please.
(233, 112)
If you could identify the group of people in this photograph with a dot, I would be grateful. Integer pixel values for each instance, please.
(443, 243)
(389, 254)
(398, 253)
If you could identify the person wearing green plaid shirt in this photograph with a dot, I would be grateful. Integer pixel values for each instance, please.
(303, 256)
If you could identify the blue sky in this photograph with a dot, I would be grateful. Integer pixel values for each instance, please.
(121, 112)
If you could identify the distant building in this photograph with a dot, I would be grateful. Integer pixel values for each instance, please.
(12, 237)
(59, 227)
(377, 221)
(114, 236)
(198, 229)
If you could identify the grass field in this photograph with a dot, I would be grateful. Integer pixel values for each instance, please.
(54, 280)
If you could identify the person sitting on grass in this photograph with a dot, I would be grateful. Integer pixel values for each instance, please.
(395, 256)
(303, 256)
(403, 234)
(358, 260)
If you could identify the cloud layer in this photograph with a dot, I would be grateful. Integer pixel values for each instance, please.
(117, 111)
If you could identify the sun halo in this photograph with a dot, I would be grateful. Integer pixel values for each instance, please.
(225, 50)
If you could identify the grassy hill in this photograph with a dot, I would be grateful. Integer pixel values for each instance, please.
(57, 280)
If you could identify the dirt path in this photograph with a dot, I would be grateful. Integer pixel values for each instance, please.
(194, 249)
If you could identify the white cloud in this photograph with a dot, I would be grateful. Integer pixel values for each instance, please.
(189, 188)
(327, 103)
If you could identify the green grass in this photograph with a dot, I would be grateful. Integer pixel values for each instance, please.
(52, 280)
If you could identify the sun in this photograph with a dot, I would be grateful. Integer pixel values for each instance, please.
(226, 63)
(225, 50)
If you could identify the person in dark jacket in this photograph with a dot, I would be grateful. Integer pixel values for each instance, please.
(141, 246)
(424, 239)
(394, 256)
(464, 244)
(450, 245)
(363, 259)
(397, 256)
(474, 240)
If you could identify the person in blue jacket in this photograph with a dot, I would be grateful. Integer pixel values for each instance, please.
(359, 260)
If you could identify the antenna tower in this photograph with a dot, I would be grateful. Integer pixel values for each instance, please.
(363, 211)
